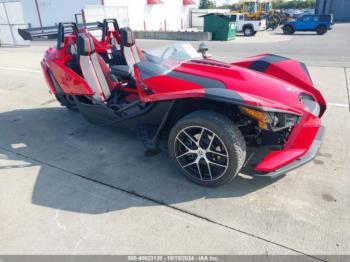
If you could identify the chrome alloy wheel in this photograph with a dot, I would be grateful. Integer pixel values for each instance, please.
(201, 153)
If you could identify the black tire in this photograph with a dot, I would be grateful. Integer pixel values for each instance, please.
(321, 30)
(221, 148)
(248, 31)
(69, 102)
(288, 30)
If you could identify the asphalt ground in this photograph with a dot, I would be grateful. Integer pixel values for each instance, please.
(68, 187)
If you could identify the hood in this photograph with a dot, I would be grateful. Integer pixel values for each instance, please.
(255, 88)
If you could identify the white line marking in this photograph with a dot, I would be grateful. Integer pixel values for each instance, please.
(19, 69)
(338, 105)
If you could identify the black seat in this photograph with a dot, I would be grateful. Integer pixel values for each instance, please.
(117, 55)
(129, 57)
(120, 72)
(74, 62)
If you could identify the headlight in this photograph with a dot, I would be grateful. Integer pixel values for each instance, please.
(310, 103)
(273, 121)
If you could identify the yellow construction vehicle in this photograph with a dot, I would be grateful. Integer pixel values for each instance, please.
(259, 9)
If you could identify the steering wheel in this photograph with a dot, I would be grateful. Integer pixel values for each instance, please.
(170, 48)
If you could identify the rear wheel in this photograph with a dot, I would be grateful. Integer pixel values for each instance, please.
(321, 30)
(69, 102)
(248, 31)
(207, 148)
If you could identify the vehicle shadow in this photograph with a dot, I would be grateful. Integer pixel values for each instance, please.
(82, 166)
(299, 34)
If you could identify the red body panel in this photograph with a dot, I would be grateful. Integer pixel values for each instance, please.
(299, 142)
(70, 82)
(290, 71)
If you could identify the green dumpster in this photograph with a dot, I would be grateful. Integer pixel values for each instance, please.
(223, 27)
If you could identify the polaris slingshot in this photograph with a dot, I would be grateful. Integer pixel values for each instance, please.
(208, 110)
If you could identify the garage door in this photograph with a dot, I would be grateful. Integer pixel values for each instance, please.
(11, 18)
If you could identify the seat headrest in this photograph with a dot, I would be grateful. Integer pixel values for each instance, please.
(127, 36)
(85, 44)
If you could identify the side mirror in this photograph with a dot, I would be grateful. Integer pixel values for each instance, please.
(203, 49)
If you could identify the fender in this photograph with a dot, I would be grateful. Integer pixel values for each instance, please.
(288, 70)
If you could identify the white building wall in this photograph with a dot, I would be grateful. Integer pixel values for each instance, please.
(155, 17)
(11, 19)
(172, 14)
(53, 11)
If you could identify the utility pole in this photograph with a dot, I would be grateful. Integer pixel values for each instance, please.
(39, 15)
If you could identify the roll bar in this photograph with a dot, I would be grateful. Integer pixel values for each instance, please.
(62, 30)
(105, 27)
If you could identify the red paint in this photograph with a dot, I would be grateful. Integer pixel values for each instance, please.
(38, 11)
(291, 72)
(70, 82)
(299, 142)
(154, 2)
(188, 2)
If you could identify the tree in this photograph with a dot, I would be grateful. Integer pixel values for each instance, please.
(235, 6)
(293, 4)
(207, 4)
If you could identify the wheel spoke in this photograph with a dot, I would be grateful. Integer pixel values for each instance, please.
(216, 153)
(199, 170)
(208, 166)
(190, 164)
(184, 154)
(200, 136)
(211, 141)
(182, 143)
(216, 164)
(194, 141)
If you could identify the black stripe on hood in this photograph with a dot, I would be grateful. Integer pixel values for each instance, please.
(263, 63)
(203, 81)
(214, 89)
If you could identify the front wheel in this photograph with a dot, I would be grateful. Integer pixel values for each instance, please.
(288, 30)
(207, 148)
